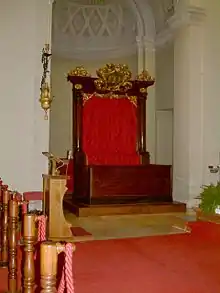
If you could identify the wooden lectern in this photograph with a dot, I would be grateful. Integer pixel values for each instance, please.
(54, 188)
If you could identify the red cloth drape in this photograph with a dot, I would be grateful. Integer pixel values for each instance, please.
(110, 131)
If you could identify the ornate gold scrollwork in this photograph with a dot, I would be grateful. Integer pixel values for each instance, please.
(143, 90)
(113, 78)
(86, 97)
(79, 71)
(78, 86)
(133, 100)
(145, 76)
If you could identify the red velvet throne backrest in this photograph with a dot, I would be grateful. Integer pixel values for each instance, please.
(110, 131)
(109, 115)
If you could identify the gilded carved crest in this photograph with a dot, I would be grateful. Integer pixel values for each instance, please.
(145, 76)
(79, 71)
(113, 81)
(113, 78)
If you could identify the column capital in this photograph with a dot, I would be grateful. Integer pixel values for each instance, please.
(191, 15)
(183, 16)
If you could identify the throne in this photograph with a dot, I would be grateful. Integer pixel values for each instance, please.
(111, 164)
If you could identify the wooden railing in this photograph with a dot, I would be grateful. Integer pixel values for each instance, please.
(9, 236)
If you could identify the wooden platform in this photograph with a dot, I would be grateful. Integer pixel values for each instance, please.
(123, 209)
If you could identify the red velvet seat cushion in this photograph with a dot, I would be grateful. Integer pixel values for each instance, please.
(33, 195)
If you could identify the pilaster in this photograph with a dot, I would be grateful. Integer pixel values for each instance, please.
(149, 65)
(140, 54)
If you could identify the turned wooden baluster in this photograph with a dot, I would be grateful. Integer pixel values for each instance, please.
(48, 266)
(4, 231)
(29, 239)
(12, 245)
(21, 212)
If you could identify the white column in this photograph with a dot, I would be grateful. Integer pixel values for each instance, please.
(24, 133)
(188, 103)
(140, 54)
(149, 65)
(211, 142)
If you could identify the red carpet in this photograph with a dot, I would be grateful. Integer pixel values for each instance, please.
(79, 231)
(187, 263)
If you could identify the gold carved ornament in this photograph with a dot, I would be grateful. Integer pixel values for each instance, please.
(113, 78)
(79, 71)
(144, 76)
(87, 97)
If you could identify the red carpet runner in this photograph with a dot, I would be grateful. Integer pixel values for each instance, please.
(187, 263)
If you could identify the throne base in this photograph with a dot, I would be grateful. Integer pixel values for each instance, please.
(83, 210)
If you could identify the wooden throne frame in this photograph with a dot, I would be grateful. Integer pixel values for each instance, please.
(103, 85)
(103, 184)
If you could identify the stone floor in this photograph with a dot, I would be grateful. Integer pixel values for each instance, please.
(127, 226)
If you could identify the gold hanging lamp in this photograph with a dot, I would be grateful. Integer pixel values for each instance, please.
(45, 90)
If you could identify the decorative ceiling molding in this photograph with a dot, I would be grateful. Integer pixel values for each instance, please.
(95, 54)
(116, 28)
(89, 31)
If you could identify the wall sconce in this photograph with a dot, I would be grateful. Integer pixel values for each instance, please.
(45, 90)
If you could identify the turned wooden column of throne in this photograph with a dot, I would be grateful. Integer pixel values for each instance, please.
(107, 167)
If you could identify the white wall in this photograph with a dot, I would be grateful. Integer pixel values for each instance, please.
(24, 133)
(164, 89)
(61, 113)
(164, 77)
(164, 137)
